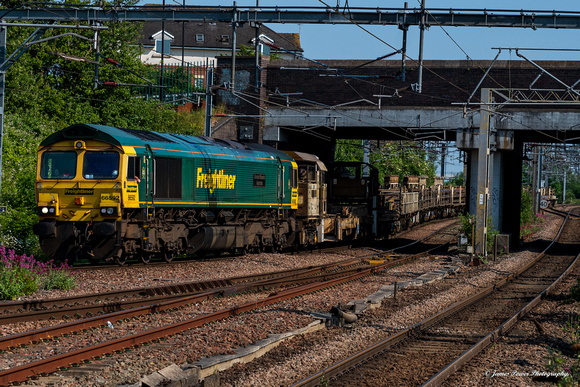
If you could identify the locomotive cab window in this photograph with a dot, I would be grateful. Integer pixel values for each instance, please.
(293, 178)
(312, 173)
(101, 165)
(307, 172)
(348, 172)
(58, 165)
(133, 168)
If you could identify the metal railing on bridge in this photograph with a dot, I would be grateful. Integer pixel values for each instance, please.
(175, 83)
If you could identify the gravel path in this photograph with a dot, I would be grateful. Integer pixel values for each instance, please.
(295, 358)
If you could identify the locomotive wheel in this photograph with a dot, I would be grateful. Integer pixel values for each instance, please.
(168, 256)
(120, 257)
(145, 257)
(121, 260)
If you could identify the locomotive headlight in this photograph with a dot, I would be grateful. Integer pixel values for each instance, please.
(108, 211)
(46, 210)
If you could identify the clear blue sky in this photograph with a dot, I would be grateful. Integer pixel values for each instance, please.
(350, 42)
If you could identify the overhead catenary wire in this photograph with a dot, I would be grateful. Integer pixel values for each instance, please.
(336, 9)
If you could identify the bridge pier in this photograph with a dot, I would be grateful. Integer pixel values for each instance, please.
(503, 197)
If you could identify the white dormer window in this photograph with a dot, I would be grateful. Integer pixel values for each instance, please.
(263, 49)
(225, 38)
(163, 42)
(199, 38)
(163, 47)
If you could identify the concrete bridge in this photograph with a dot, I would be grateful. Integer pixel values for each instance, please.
(307, 106)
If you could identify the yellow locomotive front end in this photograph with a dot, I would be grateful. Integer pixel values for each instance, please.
(79, 195)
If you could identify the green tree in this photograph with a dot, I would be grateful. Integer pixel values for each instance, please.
(404, 158)
(349, 150)
(52, 86)
(458, 180)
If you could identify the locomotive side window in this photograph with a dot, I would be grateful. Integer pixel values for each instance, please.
(294, 178)
(259, 180)
(311, 173)
(167, 178)
(303, 172)
(101, 165)
(58, 165)
(133, 168)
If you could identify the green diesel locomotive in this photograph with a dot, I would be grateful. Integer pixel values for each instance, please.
(113, 193)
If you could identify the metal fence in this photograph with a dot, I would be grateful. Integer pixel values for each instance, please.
(176, 83)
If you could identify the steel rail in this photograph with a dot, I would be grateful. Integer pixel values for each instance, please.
(52, 364)
(78, 310)
(47, 333)
(476, 349)
(367, 353)
(171, 289)
(141, 307)
(77, 305)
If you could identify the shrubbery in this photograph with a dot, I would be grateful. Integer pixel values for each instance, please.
(21, 275)
(468, 221)
(533, 225)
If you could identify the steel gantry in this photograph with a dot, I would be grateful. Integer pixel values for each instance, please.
(459, 17)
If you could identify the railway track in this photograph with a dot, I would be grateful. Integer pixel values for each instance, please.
(430, 351)
(327, 277)
(113, 301)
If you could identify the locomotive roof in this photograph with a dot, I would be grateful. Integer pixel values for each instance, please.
(141, 138)
(301, 156)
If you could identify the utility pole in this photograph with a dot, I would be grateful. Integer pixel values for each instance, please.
(208, 101)
(257, 51)
(183, 41)
(234, 25)
(443, 159)
(405, 28)
(535, 185)
(96, 47)
(422, 35)
(162, 89)
(539, 187)
(564, 189)
(485, 128)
